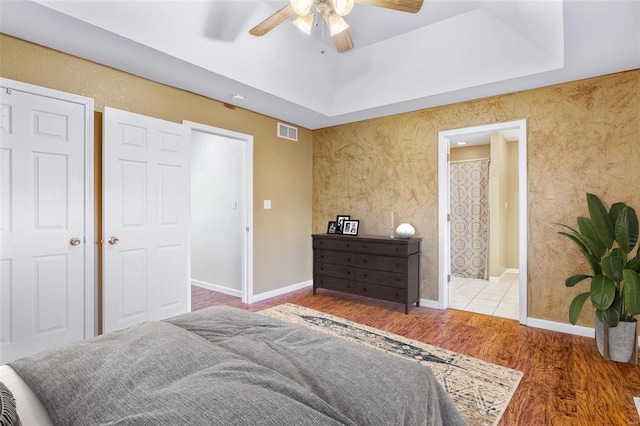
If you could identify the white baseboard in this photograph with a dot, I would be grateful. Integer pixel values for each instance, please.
(217, 288)
(561, 327)
(576, 330)
(506, 271)
(280, 291)
(428, 303)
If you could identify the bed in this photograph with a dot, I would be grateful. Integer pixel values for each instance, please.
(224, 366)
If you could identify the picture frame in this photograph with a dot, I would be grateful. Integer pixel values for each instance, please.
(332, 227)
(339, 219)
(350, 227)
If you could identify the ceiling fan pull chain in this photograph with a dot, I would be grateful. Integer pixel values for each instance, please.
(322, 37)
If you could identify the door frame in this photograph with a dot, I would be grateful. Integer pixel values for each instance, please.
(247, 244)
(444, 235)
(90, 246)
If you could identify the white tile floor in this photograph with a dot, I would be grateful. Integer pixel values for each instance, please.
(500, 299)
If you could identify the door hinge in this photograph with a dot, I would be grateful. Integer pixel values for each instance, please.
(448, 217)
(448, 278)
(9, 91)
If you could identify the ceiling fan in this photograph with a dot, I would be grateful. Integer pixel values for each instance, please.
(332, 11)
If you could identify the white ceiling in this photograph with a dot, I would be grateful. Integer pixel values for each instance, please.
(450, 51)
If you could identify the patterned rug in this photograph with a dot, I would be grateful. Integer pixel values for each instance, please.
(480, 390)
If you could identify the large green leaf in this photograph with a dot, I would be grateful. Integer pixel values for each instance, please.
(612, 267)
(603, 291)
(601, 220)
(590, 237)
(609, 317)
(575, 279)
(576, 307)
(595, 263)
(626, 229)
(634, 264)
(631, 292)
(615, 210)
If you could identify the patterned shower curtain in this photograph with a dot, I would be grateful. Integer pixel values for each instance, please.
(470, 218)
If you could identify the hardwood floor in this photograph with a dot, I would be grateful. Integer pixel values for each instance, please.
(565, 382)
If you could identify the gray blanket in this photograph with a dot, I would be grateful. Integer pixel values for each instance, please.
(225, 366)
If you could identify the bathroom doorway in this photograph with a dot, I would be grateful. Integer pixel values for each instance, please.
(482, 219)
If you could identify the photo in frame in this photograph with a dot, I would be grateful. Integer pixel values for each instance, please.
(332, 228)
(340, 219)
(350, 227)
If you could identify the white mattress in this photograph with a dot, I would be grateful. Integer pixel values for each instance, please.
(30, 409)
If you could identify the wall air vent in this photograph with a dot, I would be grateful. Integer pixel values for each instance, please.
(287, 132)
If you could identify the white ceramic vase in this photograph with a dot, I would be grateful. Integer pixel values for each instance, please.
(405, 230)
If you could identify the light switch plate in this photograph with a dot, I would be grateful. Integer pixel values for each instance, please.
(267, 204)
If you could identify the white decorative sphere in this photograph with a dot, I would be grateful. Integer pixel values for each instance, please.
(405, 230)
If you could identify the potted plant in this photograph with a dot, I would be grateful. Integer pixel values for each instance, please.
(607, 239)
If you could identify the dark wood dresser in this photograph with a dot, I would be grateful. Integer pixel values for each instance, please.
(375, 266)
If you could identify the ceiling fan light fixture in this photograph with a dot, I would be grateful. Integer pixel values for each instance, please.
(337, 24)
(304, 23)
(301, 7)
(342, 7)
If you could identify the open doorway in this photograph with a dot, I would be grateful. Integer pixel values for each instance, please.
(221, 210)
(483, 238)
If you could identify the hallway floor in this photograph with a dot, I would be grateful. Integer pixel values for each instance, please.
(500, 299)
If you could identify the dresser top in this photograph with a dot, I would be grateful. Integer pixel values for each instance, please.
(376, 238)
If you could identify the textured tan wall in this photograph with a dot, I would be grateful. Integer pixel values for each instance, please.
(282, 168)
(582, 136)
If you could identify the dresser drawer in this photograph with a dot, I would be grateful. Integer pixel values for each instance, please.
(381, 292)
(386, 249)
(382, 263)
(332, 283)
(334, 257)
(344, 244)
(388, 279)
(344, 272)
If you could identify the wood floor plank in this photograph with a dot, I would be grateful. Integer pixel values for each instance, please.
(566, 381)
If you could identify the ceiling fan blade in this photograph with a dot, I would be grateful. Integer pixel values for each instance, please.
(343, 41)
(411, 6)
(272, 21)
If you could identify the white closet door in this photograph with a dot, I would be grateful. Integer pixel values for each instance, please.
(146, 219)
(43, 261)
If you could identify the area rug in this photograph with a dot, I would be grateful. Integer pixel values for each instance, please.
(480, 390)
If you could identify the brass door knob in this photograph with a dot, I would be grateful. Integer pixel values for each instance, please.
(113, 240)
(75, 241)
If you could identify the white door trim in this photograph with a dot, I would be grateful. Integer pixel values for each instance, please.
(247, 253)
(444, 266)
(90, 246)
